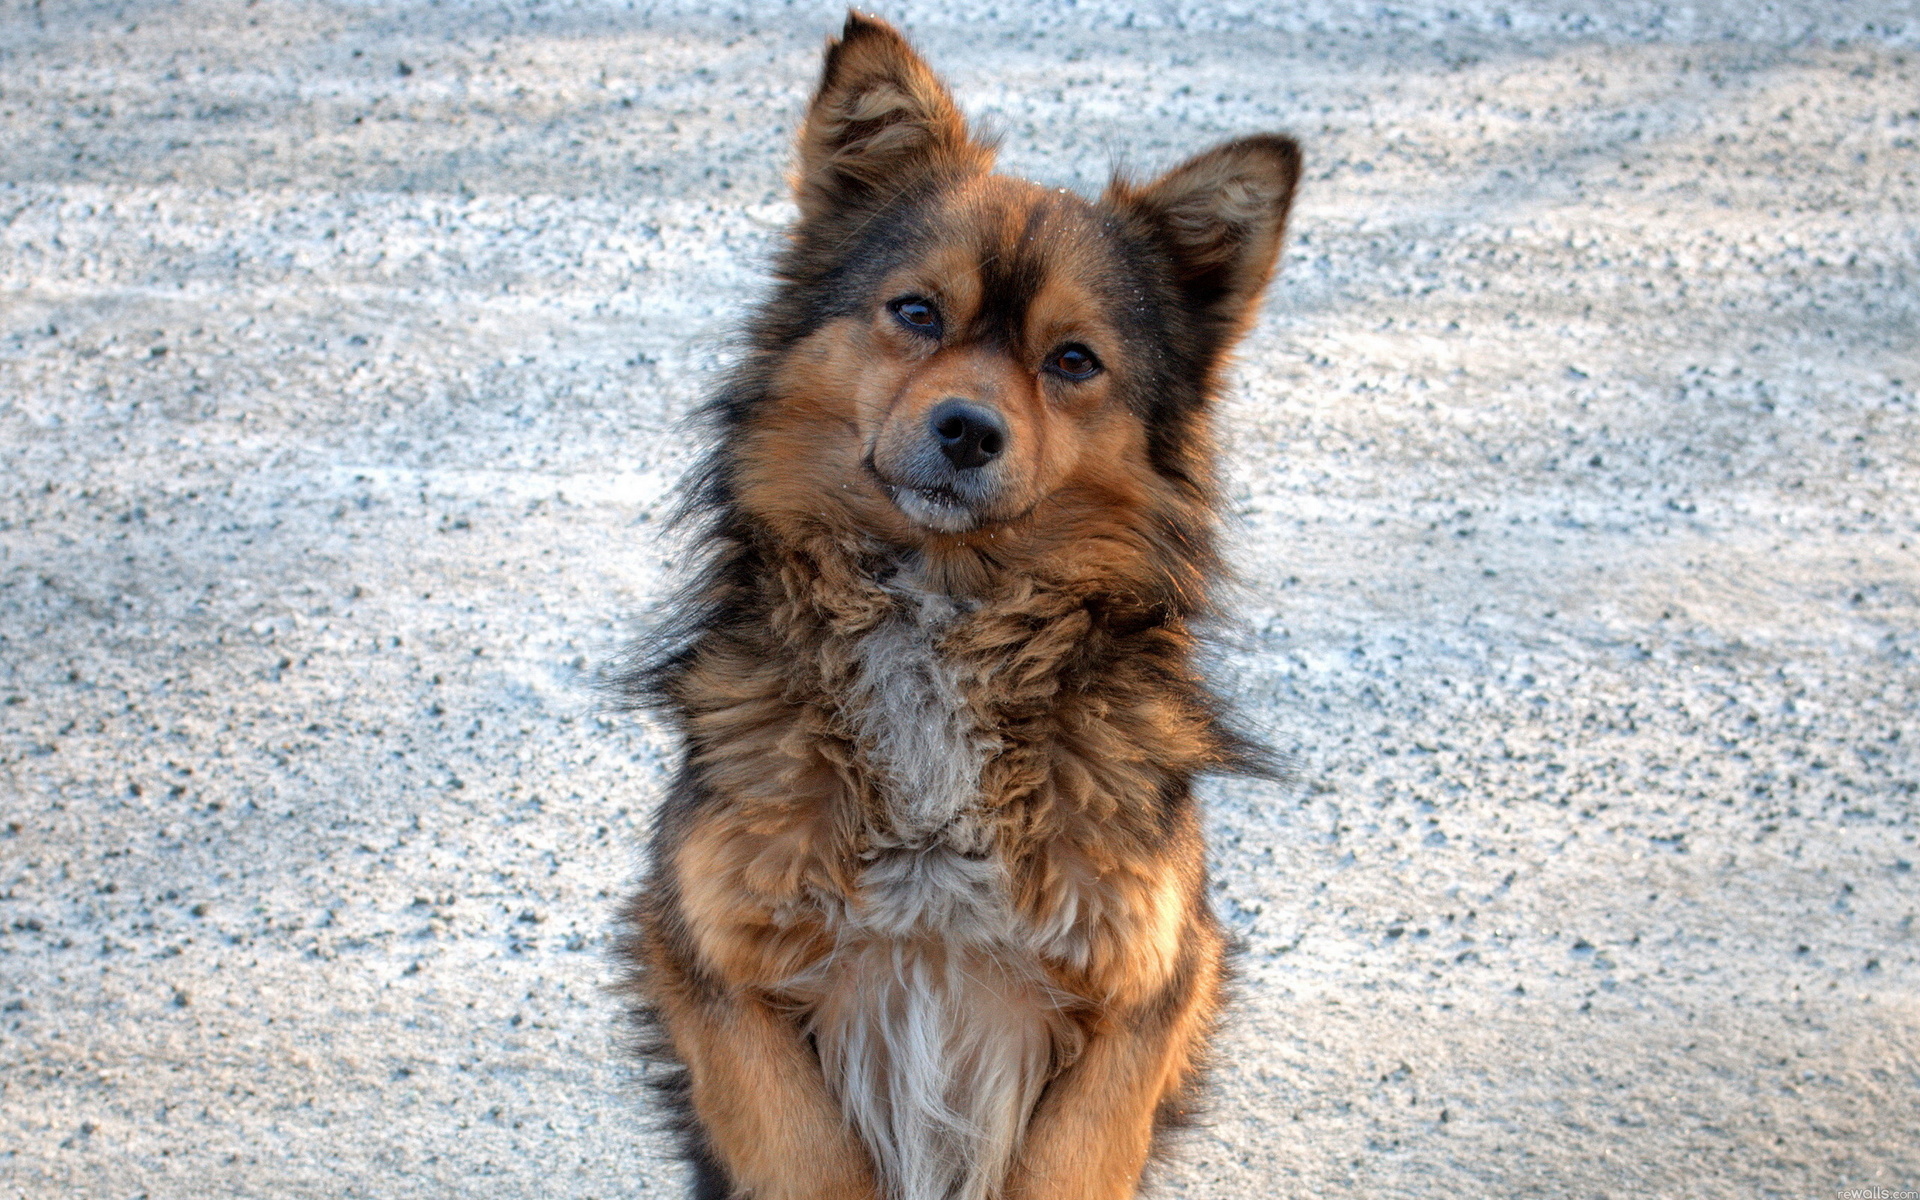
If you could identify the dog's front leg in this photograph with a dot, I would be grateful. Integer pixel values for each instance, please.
(1093, 1130)
(761, 1102)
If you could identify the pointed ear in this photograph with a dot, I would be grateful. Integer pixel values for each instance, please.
(880, 120)
(1220, 217)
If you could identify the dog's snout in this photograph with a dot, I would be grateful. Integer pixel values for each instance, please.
(970, 435)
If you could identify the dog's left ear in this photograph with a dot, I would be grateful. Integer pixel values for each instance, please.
(881, 121)
(1220, 216)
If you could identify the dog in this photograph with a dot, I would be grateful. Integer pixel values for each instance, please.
(926, 916)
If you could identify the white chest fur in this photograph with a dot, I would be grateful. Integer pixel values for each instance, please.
(932, 869)
(918, 731)
(935, 1028)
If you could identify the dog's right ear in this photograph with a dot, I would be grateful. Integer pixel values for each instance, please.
(880, 122)
(1221, 217)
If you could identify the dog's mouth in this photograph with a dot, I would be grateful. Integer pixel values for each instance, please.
(937, 508)
(931, 504)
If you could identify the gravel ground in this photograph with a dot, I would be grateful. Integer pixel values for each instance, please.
(344, 351)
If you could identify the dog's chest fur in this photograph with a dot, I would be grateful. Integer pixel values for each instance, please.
(916, 728)
(934, 1024)
(930, 866)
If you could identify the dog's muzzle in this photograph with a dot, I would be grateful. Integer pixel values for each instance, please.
(950, 476)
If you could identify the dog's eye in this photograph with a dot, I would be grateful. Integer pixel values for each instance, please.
(918, 315)
(1075, 362)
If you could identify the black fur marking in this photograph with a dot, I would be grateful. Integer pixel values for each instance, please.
(710, 1180)
(1009, 280)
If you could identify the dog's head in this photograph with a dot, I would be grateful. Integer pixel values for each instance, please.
(957, 357)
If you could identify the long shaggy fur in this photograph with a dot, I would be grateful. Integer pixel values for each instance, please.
(927, 916)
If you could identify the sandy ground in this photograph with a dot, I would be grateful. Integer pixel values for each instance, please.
(344, 349)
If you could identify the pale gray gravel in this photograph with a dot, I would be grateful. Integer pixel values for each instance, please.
(343, 350)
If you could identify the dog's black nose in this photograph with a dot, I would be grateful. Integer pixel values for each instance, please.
(969, 435)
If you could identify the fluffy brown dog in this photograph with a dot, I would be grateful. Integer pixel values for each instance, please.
(927, 917)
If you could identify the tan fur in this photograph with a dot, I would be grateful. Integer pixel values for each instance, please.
(930, 920)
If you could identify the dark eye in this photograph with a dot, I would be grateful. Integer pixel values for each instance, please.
(1075, 362)
(918, 315)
